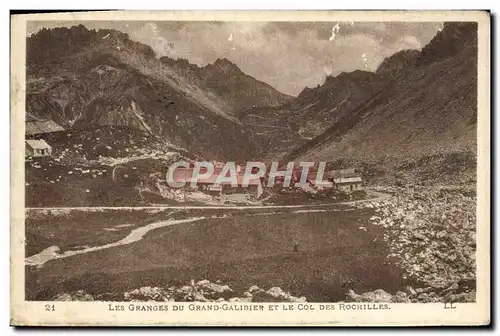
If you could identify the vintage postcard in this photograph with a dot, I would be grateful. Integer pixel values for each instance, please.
(288, 168)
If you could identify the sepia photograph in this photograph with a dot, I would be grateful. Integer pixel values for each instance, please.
(230, 164)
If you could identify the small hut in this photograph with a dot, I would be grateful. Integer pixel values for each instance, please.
(38, 148)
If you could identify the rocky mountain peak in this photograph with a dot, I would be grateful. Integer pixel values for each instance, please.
(455, 38)
(429, 106)
(225, 65)
(393, 65)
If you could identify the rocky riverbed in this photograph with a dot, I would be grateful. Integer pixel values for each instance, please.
(431, 233)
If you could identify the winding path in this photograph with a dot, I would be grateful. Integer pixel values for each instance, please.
(378, 197)
(51, 252)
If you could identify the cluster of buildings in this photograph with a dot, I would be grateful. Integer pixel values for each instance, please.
(209, 184)
(345, 180)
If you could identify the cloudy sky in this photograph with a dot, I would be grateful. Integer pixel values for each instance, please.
(287, 55)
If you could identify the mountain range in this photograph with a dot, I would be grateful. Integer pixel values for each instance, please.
(418, 102)
(427, 107)
(85, 78)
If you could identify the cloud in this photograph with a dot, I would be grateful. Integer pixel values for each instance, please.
(335, 31)
(151, 34)
(365, 61)
(410, 42)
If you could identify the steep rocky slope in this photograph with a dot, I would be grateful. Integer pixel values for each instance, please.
(429, 108)
(280, 129)
(84, 78)
(416, 103)
(224, 79)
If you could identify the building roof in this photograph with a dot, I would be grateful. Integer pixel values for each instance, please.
(341, 173)
(37, 144)
(42, 126)
(186, 175)
(347, 180)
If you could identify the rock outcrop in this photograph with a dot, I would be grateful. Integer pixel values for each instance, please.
(201, 291)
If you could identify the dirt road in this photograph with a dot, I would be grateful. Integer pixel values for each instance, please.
(374, 196)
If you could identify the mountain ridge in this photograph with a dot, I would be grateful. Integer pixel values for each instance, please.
(79, 77)
(217, 111)
(429, 109)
